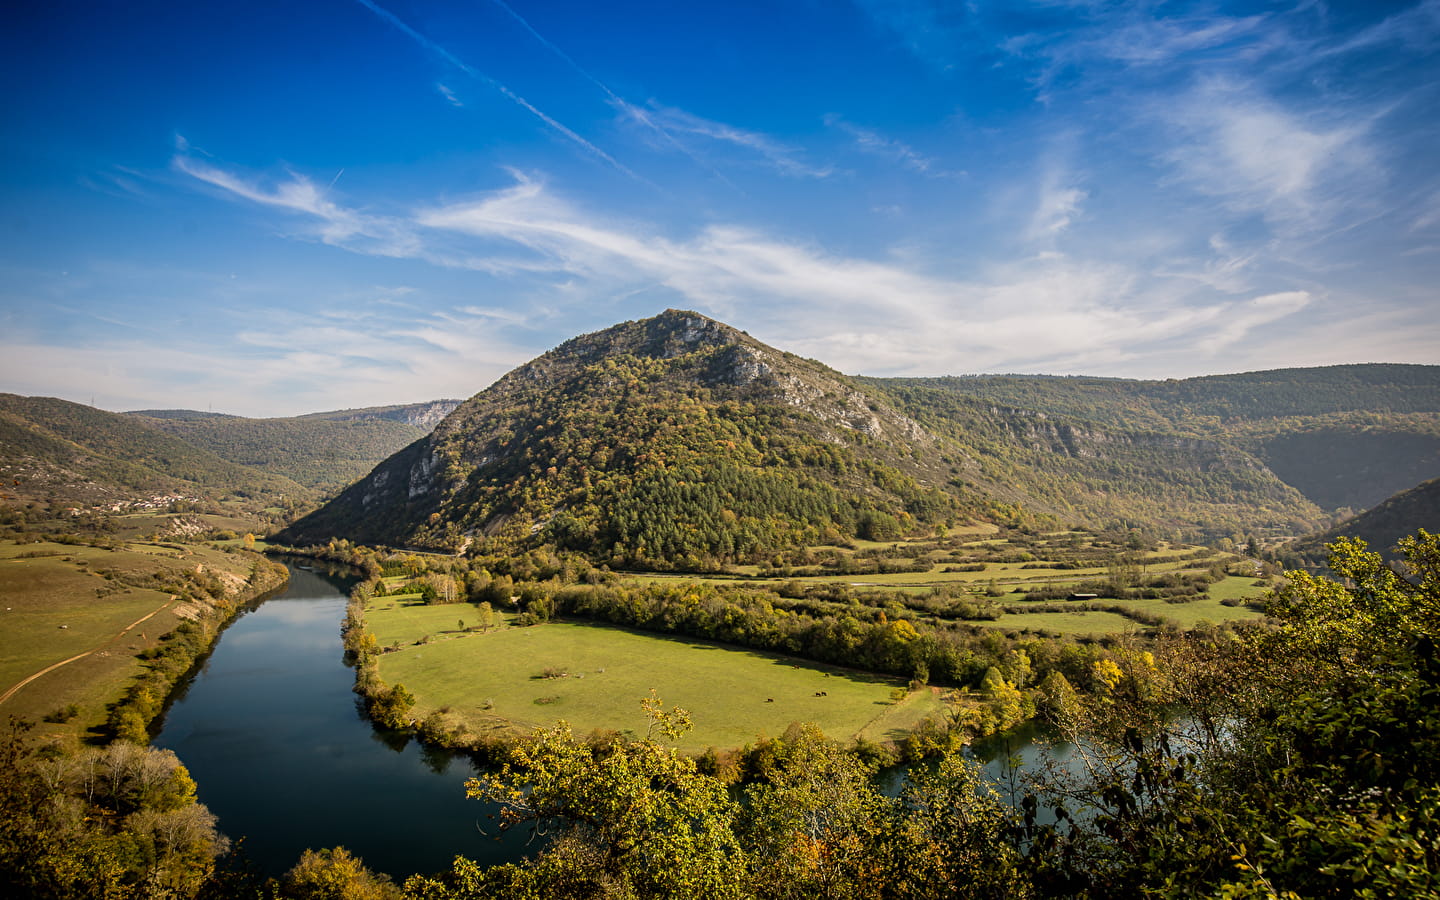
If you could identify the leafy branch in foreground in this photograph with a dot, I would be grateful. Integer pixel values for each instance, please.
(1321, 779)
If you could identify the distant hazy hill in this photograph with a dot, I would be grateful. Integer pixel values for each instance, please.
(84, 455)
(1400, 516)
(1343, 436)
(1106, 474)
(321, 450)
(678, 438)
(1354, 464)
(1190, 402)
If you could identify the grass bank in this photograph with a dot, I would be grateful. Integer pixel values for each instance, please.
(78, 619)
(594, 677)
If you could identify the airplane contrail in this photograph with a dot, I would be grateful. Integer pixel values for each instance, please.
(396, 22)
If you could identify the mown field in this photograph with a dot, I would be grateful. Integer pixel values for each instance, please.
(1201, 611)
(62, 601)
(599, 674)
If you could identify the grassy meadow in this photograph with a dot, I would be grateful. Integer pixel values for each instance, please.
(599, 674)
(594, 676)
(63, 601)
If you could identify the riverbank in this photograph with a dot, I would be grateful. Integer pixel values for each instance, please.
(448, 673)
(86, 623)
(208, 611)
(271, 732)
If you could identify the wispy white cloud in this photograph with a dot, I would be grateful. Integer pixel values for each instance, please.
(119, 181)
(1137, 36)
(1046, 312)
(449, 94)
(1429, 214)
(1058, 205)
(338, 225)
(1259, 157)
(757, 147)
(1417, 26)
(631, 111)
(1226, 269)
(1244, 318)
(285, 362)
(876, 144)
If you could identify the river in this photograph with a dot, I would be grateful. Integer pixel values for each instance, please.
(272, 734)
(270, 729)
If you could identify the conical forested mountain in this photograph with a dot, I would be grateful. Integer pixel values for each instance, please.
(680, 442)
(674, 441)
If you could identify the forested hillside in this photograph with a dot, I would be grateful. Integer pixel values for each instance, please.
(74, 453)
(325, 451)
(1195, 403)
(671, 442)
(1357, 461)
(1105, 474)
(1342, 436)
(1381, 527)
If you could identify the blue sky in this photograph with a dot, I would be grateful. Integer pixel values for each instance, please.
(277, 208)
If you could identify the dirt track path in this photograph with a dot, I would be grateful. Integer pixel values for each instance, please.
(121, 633)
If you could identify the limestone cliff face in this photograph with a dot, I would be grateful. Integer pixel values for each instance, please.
(426, 415)
(1044, 432)
(420, 415)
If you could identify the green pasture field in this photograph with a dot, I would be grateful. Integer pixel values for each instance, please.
(100, 617)
(1207, 609)
(1008, 575)
(1079, 622)
(1186, 615)
(1189, 615)
(905, 716)
(1237, 587)
(734, 695)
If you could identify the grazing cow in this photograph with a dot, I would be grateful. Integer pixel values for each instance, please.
(769, 699)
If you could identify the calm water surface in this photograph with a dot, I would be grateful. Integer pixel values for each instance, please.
(270, 730)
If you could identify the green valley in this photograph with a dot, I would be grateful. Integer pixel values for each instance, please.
(669, 587)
